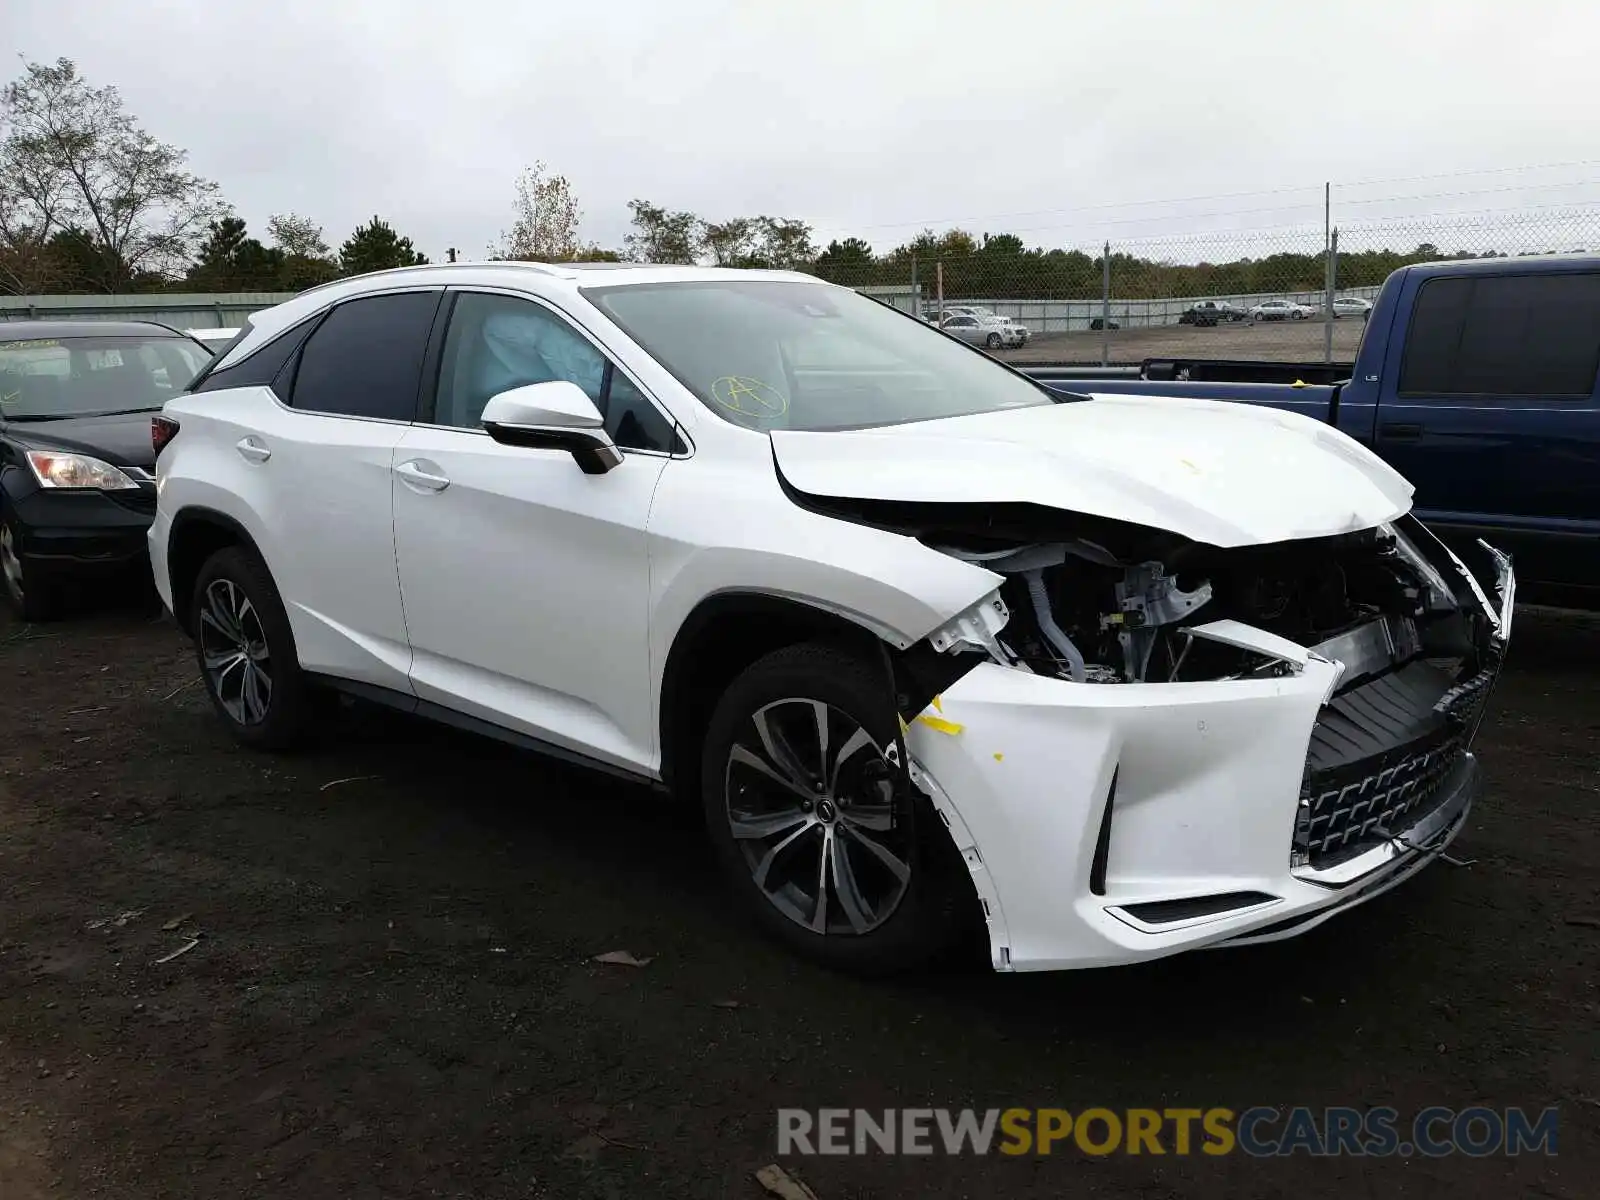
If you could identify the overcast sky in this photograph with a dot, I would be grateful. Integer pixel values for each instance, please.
(1063, 121)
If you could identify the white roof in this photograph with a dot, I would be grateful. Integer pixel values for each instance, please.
(554, 280)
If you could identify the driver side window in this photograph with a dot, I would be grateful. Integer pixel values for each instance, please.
(500, 342)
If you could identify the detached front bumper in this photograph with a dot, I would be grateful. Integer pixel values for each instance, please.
(1112, 823)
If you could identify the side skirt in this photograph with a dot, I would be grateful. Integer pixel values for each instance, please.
(427, 709)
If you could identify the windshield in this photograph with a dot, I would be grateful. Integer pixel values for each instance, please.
(49, 378)
(768, 354)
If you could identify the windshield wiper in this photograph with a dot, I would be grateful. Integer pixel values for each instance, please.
(30, 417)
(119, 412)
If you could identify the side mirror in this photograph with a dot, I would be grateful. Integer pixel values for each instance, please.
(557, 415)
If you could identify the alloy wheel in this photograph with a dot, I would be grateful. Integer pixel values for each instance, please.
(234, 652)
(811, 802)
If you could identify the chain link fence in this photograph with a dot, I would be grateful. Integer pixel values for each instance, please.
(1296, 294)
(1281, 294)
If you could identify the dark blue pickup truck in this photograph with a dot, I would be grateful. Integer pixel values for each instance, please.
(1477, 381)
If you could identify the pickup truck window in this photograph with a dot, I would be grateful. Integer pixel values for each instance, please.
(1504, 335)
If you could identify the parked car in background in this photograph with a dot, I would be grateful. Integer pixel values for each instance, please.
(213, 339)
(77, 488)
(1352, 306)
(983, 313)
(991, 332)
(1211, 312)
(937, 648)
(1099, 323)
(1281, 310)
(987, 315)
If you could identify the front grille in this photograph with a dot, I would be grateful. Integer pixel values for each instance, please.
(1340, 819)
(1353, 799)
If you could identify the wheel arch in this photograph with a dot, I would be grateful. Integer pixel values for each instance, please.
(197, 532)
(721, 636)
(725, 633)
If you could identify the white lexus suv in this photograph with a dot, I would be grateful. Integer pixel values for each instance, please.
(1116, 677)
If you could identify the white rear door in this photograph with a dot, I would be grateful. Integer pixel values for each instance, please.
(314, 457)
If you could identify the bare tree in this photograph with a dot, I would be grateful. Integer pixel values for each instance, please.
(757, 242)
(729, 243)
(784, 242)
(71, 159)
(547, 218)
(660, 236)
(297, 235)
(307, 260)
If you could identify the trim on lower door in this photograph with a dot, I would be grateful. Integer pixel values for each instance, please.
(404, 702)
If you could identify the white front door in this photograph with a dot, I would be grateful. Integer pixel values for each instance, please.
(526, 582)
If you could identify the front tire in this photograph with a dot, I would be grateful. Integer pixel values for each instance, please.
(992, 341)
(822, 849)
(33, 596)
(245, 650)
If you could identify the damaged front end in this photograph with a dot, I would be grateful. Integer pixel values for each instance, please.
(1257, 737)
(1156, 609)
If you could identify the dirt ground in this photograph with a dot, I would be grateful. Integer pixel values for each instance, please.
(391, 992)
(1295, 341)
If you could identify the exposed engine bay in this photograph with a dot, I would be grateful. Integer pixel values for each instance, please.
(1080, 611)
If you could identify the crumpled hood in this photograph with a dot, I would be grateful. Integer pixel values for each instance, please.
(1227, 474)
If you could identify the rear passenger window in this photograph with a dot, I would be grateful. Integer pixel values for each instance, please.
(261, 368)
(1508, 335)
(365, 359)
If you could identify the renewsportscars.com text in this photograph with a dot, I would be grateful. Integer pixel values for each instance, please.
(1260, 1132)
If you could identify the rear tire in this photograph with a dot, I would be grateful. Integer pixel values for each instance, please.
(800, 802)
(245, 651)
(31, 594)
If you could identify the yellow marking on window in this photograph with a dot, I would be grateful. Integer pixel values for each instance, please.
(749, 397)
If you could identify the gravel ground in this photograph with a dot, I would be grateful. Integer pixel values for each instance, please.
(1293, 341)
(391, 991)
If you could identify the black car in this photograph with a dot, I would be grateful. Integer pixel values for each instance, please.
(77, 456)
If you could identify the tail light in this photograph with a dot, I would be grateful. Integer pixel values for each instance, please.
(162, 431)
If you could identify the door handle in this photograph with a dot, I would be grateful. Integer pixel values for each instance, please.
(1402, 431)
(252, 449)
(415, 474)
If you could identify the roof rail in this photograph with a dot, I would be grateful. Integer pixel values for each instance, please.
(367, 275)
(508, 264)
